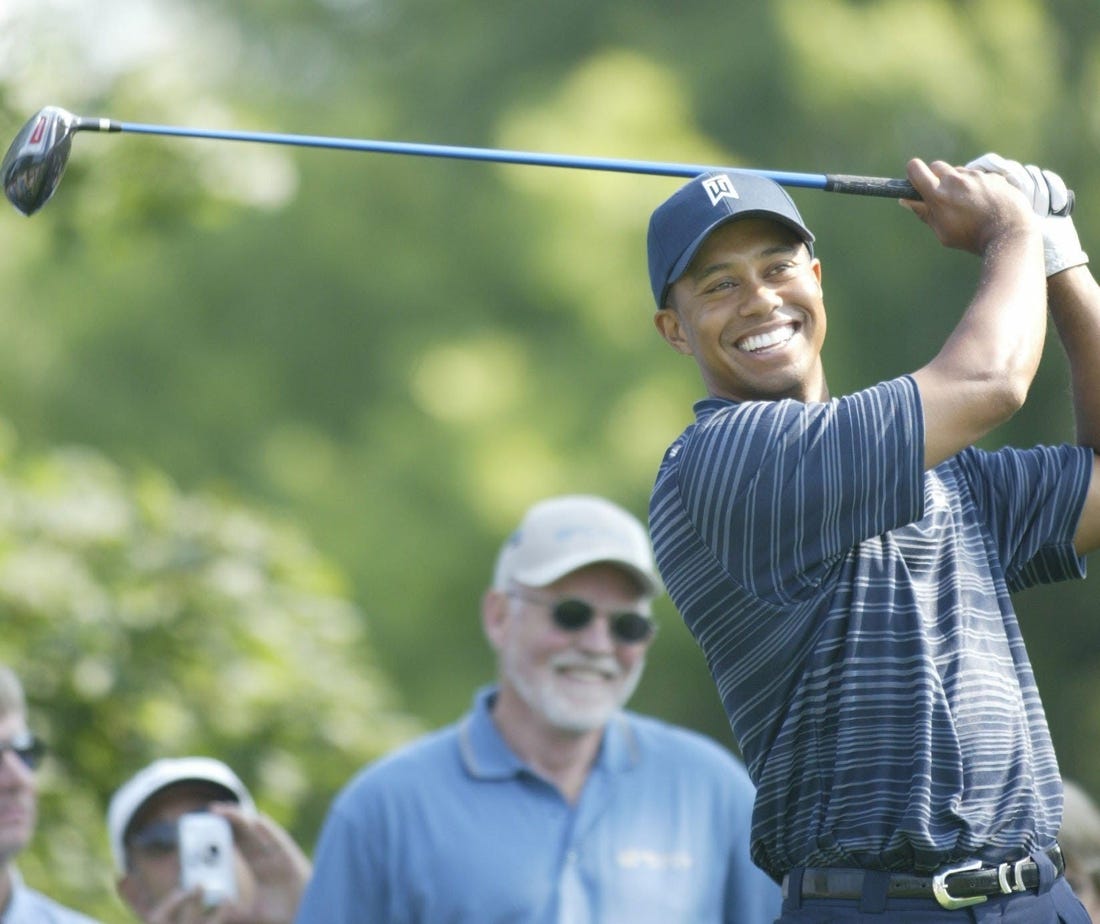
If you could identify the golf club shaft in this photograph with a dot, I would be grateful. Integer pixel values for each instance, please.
(858, 185)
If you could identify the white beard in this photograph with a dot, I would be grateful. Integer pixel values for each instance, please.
(560, 703)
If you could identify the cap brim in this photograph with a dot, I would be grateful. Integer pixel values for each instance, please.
(559, 568)
(681, 265)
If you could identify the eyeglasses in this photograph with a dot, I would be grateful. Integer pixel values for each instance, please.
(572, 615)
(155, 839)
(28, 747)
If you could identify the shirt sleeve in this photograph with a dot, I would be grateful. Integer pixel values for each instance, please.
(1031, 501)
(780, 491)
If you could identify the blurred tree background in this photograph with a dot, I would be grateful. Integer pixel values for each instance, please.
(270, 411)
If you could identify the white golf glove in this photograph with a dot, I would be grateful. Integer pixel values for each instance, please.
(1048, 196)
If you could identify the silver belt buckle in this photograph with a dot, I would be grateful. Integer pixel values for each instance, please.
(945, 898)
(1017, 873)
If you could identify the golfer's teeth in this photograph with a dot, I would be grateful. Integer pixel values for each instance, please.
(771, 338)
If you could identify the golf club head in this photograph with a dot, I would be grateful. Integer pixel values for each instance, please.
(33, 165)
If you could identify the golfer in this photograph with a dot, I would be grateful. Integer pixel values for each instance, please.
(845, 563)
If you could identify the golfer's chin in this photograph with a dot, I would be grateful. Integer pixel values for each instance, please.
(760, 383)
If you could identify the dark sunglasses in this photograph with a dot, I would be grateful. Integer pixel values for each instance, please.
(28, 747)
(155, 839)
(572, 615)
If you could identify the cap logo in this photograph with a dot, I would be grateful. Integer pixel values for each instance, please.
(720, 187)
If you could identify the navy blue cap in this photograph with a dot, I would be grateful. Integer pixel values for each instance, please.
(682, 222)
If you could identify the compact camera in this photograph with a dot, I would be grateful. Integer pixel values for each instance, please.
(207, 857)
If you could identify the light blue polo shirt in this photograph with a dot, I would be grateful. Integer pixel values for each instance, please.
(30, 907)
(456, 828)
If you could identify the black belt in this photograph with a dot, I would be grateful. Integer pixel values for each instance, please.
(953, 887)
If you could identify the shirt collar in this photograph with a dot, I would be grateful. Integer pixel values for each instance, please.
(486, 755)
(706, 407)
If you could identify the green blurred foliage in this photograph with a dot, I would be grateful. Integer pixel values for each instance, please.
(147, 622)
(400, 354)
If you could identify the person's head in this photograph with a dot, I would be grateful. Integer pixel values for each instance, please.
(20, 752)
(738, 288)
(569, 611)
(142, 824)
(1080, 842)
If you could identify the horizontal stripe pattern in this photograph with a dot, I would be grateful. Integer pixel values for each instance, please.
(854, 612)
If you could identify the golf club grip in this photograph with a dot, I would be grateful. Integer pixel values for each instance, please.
(898, 189)
(870, 186)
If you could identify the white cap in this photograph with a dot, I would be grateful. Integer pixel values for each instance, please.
(133, 794)
(558, 536)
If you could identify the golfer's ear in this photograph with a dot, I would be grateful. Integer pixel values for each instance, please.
(667, 322)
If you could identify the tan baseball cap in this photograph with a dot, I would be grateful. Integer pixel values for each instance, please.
(562, 534)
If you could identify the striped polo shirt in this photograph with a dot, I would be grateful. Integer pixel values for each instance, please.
(854, 612)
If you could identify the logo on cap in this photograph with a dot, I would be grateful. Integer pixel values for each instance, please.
(720, 187)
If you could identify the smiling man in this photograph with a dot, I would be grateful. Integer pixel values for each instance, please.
(846, 564)
(548, 803)
(20, 753)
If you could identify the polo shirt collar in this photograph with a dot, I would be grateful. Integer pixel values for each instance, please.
(707, 407)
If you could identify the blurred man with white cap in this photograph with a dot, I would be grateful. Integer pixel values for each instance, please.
(143, 828)
(547, 802)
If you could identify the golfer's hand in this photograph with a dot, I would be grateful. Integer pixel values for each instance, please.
(967, 209)
(1049, 197)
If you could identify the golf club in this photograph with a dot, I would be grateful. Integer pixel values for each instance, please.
(33, 165)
